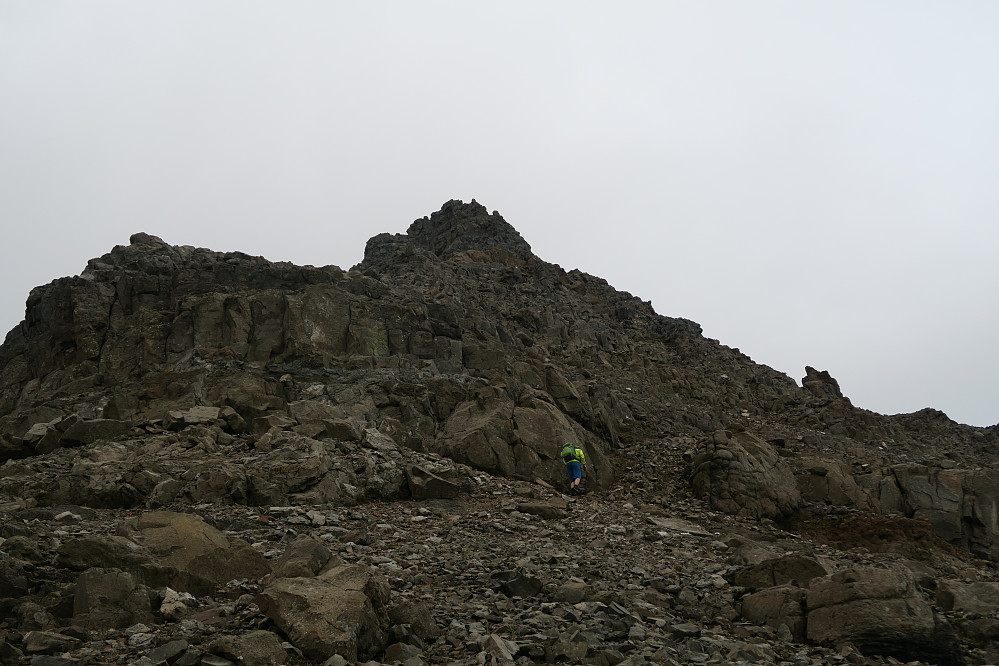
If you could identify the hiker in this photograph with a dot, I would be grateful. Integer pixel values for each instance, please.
(575, 463)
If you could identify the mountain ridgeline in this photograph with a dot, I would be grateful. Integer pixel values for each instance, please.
(452, 338)
(174, 377)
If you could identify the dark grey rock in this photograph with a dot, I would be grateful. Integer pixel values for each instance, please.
(257, 648)
(48, 642)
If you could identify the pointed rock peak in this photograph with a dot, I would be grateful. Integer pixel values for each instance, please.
(820, 383)
(142, 238)
(458, 227)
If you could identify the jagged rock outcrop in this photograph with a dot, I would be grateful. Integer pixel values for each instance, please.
(457, 228)
(821, 384)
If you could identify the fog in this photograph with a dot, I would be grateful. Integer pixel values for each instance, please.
(814, 183)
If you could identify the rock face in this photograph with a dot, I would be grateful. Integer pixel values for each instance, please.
(196, 447)
(743, 475)
(881, 612)
(962, 505)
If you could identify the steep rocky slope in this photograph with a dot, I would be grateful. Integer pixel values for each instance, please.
(406, 416)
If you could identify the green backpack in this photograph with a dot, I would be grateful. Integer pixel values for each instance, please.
(568, 452)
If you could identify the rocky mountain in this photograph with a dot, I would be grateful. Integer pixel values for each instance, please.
(210, 458)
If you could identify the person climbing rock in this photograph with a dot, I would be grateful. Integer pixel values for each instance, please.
(575, 463)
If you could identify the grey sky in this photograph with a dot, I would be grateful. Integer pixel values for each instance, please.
(813, 182)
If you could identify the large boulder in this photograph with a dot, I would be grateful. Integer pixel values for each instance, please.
(776, 607)
(48, 642)
(109, 599)
(178, 419)
(341, 611)
(740, 474)
(495, 433)
(304, 557)
(881, 612)
(202, 556)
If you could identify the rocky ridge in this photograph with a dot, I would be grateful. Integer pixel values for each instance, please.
(379, 448)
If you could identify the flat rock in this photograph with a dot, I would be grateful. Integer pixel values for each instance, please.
(201, 554)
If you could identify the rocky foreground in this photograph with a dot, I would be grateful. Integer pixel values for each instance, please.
(481, 569)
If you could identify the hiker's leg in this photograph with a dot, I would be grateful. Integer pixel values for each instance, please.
(574, 473)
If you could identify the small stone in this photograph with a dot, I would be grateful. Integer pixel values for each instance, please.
(335, 660)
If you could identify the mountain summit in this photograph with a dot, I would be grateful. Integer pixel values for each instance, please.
(456, 228)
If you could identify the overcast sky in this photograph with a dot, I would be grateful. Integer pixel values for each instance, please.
(815, 183)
